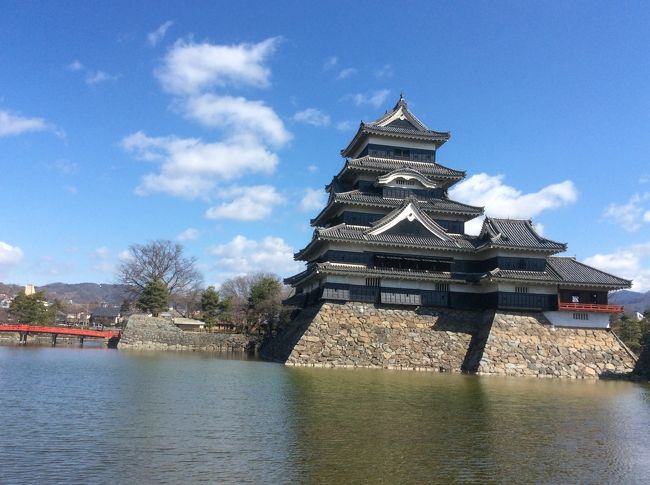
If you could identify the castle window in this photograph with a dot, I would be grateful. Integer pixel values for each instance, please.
(373, 282)
(581, 316)
(442, 286)
(521, 289)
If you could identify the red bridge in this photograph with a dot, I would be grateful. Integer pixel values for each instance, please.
(113, 336)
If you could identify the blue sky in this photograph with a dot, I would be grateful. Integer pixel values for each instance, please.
(217, 124)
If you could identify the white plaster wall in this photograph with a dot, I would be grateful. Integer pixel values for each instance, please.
(565, 319)
(539, 289)
(352, 280)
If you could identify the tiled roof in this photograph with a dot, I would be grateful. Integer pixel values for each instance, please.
(409, 132)
(548, 276)
(572, 271)
(429, 205)
(383, 165)
(514, 234)
(106, 312)
(563, 271)
(357, 234)
(399, 122)
(360, 270)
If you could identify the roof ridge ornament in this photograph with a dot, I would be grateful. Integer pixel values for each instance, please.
(409, 211)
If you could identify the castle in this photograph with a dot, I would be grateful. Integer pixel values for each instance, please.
(390, 234)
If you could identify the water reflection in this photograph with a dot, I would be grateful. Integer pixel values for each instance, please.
(396, 427)
(104, 416)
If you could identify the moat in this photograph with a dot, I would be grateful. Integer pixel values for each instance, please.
(94, 415)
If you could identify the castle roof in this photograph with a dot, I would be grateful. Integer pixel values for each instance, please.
(565, 271)
(399, 123)
(380, 166)
(369, 199)
(514, 234)
(359, 270)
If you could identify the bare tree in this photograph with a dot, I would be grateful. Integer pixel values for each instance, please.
(162, 260)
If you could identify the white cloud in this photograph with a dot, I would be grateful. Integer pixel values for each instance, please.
(312, 116)
(102, 252)
(71, 189)
(631, 262)
(96, 77)
(312, 168)
(12, 125)
(313, 199)
(385, 71)
(346, 125)
(238, 115)
(92, 76)
(502, 200)
(188, 234)
(330, 63)
(346, 73)
(242, 255)
(75, 66)
(246, 204)
(157, 35)
(189, 68)
(372, 98)
(125, 255)
(191, 168)
(630, 215)
(65, 167)
(105, 267)
(10, 255)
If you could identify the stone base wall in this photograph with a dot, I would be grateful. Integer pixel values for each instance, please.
(150, 333)
(364, 335)
(528, 345)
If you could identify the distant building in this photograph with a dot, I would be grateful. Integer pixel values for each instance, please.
(29, 289)
(188, 323)
(389, 234)
(106, 315)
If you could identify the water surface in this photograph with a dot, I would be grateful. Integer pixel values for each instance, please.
(95, 415)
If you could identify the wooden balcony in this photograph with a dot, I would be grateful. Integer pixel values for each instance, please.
(590, 307)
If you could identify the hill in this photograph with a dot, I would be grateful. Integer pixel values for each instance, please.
(77, 292)
(633, 301)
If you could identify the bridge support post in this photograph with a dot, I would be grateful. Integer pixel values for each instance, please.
(54, 339)
(81, 341)
(23, 338)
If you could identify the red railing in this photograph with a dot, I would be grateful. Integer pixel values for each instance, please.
(591, 307)
(79, 332)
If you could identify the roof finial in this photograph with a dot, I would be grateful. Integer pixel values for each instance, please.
(402, 101)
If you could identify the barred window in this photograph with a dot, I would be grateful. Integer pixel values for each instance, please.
(581, 316)
(442, 286)
(521, 289)
(373, 282)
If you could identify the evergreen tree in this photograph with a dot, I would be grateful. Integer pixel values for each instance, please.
(210, 306)
(631, 334)
(32, 309)
(265, 303)
(154, 298)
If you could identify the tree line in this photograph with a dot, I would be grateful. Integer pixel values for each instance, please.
(634, 332)
(159, 274)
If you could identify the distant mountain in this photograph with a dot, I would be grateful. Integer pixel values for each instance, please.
(633, 301)
(86, 292)
(77, 292)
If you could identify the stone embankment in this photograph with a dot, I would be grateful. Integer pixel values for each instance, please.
(155, 333)
(363, 335)
(528, 345)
